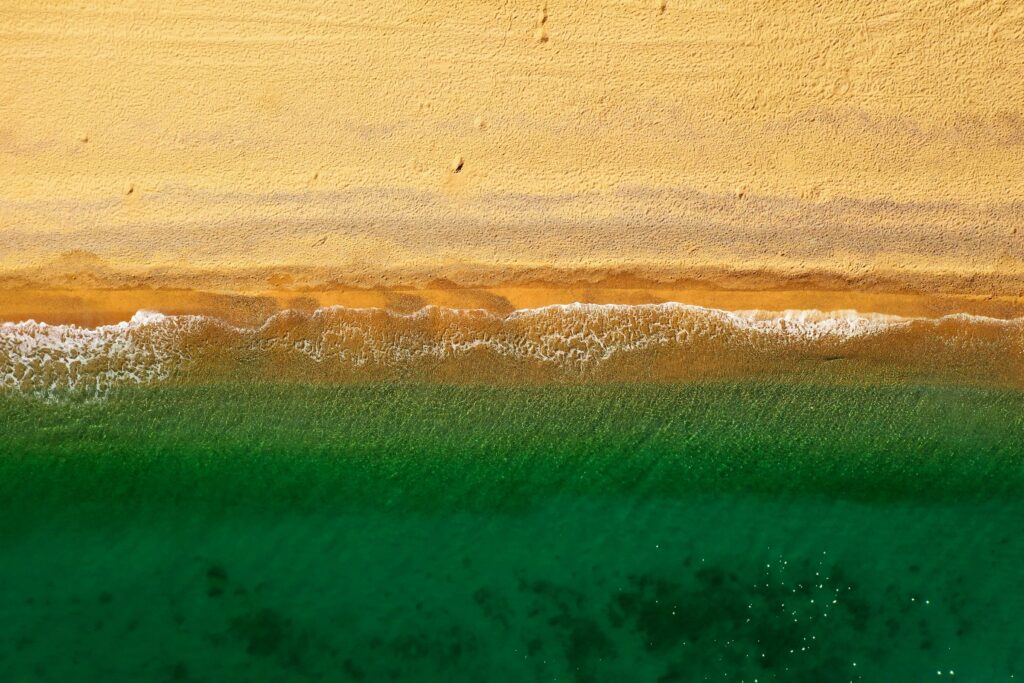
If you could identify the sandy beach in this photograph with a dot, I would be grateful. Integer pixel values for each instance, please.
(237, 148)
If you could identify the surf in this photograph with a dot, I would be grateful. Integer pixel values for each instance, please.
(561, 343)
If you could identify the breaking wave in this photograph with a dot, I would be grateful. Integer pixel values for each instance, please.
(566, 343)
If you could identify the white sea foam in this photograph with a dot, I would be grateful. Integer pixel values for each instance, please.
(572, 339)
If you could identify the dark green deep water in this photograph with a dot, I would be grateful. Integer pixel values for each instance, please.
(726, 532)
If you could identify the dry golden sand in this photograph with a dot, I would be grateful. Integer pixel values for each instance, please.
(691, 148)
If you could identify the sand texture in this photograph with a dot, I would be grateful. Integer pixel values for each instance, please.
(228, 146)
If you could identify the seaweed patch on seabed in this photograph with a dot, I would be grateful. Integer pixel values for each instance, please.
(806, 620)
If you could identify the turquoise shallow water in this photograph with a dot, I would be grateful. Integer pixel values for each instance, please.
(653, 533)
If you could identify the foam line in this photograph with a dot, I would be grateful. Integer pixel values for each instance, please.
(570, 340)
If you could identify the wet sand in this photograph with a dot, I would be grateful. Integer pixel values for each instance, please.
(92, 307)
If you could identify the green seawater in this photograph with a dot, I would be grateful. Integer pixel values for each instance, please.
(719, 532)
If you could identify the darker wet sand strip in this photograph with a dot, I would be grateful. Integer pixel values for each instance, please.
(91, 307)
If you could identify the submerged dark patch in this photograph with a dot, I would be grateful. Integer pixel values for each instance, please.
(661, 533)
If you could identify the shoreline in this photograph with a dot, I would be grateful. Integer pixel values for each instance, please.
(92, 307)
(575, 343)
